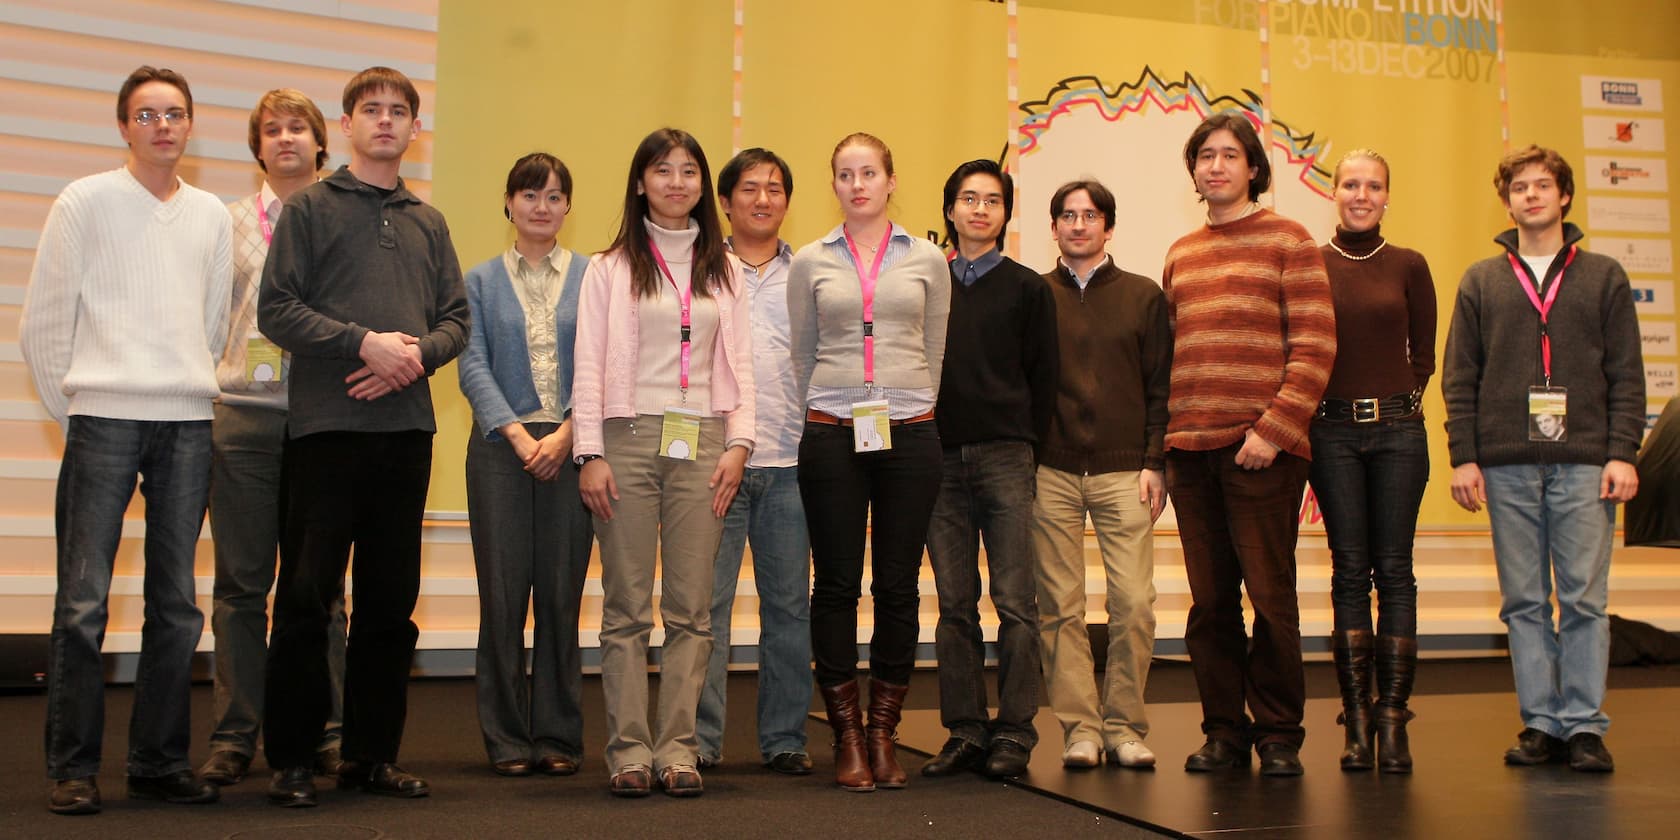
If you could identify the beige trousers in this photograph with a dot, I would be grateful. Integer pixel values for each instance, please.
(1125, 535)
(664, 509)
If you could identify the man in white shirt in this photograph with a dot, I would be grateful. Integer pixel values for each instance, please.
(754, 189)
(125, 316)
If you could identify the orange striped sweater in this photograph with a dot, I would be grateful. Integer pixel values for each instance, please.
(1254, 333)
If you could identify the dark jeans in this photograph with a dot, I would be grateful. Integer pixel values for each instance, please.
(247, 448)
(1369, 480)
(531, 544)
(987, 493)
(890, 496)
(341, 489)
(96, 480)
(1238, 529)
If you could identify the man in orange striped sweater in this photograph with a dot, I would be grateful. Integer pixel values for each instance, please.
(1254, 338)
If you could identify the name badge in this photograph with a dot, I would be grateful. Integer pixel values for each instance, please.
(871, 428)
(679, 437)
(1548, 414)
(262, 360)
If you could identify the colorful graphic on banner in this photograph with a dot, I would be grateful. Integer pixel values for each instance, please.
(1620, 94)
(1626, 174)
(1634, 134)
(1072, 131)
(1653, 297)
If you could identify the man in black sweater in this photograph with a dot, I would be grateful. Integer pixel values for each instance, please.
(1101, 457)
(995, 398)
(1546, 328)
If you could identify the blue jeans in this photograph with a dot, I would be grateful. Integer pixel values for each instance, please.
(1369, 480)
(768, 513)
(987, 492)
(96, 480)
(1549, 521)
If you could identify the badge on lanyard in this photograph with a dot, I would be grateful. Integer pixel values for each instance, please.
(263, 360)
(679, 436)
(871, 429)
(1548, 407)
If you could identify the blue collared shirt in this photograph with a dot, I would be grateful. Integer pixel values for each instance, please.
(967, 271)
(780, 413)
(902, 402)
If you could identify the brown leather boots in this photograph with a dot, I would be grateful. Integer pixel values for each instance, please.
(864, 762)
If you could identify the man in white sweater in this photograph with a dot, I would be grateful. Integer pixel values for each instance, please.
(125, 317)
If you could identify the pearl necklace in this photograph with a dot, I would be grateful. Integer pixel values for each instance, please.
(1373, 253)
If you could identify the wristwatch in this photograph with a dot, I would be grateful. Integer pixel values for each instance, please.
(584, 459)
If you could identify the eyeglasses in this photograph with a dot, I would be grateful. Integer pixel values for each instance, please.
(1068, 217)
(148, 117)
(991, 202)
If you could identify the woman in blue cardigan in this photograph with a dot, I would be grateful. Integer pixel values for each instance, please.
(530, 531)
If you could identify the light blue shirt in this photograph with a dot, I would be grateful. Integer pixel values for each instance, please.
(780, 414)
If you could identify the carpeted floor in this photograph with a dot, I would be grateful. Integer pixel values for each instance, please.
(442, 743)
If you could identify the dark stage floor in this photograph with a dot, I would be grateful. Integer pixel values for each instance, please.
(1460, 787)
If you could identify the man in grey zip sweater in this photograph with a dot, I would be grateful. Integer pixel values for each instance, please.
(1541, 332)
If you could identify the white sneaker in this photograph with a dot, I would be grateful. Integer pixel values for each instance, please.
(1081, 754)
(1131, 754)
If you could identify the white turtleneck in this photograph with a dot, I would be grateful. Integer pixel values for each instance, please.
(660, 328)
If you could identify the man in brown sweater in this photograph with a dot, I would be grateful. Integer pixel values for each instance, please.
(1101, 456)
(1254, 341)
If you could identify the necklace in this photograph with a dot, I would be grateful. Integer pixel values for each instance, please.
(757, 267)
(1373, 253)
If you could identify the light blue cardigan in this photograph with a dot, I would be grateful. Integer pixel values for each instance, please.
(495, 369)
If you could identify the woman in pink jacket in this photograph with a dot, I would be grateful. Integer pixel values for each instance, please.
(662, 401)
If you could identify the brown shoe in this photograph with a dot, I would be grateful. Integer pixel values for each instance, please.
(555, 764)
(886, 705)
(512, 767)
(681, 780)
(851, 763)
(634, 781)
(74, 797)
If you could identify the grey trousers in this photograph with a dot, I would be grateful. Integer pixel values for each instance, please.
(531, 547)
(665, 504)
(246, 444)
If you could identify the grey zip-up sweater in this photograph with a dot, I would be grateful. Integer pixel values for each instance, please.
(1493, 358)
(347, 259)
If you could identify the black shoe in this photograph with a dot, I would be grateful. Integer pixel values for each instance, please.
(556, 764)
(956, 756)
(1280, 759)
(1588, 755)
(293, 787)
(180, 787)
(328, 761)
(384, 779)
(1007, 760)
(1217, 754)
(225, 767)
(1535, 747)
(74, 797)
(790, 763)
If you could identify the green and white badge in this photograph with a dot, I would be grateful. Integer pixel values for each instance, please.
(262, 360)
(679, 436)
(871, 428)
(1548, 411)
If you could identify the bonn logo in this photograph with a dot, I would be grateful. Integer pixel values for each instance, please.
(1620, 93)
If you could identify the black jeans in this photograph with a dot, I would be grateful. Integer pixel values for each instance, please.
(987, 494)
(840, 489)
(1369, 480)
(342, 489)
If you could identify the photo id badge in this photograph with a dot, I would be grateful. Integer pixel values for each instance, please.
(262, 360)
(871, 429)
(1548, 412)
(680, 436)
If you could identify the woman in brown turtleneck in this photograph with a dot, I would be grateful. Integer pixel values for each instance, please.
(1371, 460)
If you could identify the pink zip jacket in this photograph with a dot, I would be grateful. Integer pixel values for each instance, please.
(604, 362)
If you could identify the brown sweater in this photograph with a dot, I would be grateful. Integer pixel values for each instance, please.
(1385, 317)
(1111, 390)
(1254, 334)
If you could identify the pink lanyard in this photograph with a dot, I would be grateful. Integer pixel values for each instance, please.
(262, 219)
(1531, 286)
(867, 283)
(683, 298)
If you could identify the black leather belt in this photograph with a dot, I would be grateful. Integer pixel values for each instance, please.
(1371, 409)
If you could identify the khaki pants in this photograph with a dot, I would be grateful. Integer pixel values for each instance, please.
(665, 504)
(1126, 536)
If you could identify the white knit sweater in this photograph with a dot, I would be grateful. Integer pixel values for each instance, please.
(127, 306)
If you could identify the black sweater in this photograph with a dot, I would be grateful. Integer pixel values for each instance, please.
(999, 379)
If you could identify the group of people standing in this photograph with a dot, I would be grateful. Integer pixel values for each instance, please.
(684, 394)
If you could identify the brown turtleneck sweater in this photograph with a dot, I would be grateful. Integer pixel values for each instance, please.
(1385, 317)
